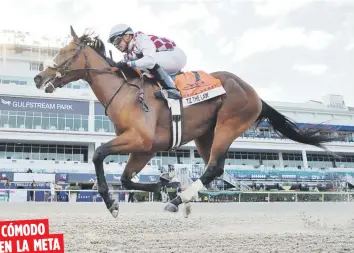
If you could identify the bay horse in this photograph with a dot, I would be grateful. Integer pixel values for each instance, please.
(143, 122)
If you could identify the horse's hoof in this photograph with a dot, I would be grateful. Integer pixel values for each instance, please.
(187, 209)
(171, 208)
(114, 209)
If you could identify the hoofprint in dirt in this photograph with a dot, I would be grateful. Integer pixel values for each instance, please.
(212, 227)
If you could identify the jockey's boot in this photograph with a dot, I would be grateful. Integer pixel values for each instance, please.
(166, 82)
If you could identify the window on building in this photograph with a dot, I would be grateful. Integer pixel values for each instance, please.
(36, 66)
(45, 121)
(292, 160)
(103, 124)
(13, 80)
(43, 152)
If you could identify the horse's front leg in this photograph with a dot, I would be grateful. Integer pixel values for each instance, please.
(127, 142)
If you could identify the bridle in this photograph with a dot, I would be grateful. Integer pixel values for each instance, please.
(63, 69)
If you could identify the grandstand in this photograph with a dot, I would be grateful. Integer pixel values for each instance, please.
(58, 133)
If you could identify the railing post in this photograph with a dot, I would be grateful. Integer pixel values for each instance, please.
(268, 196)
(322, 197)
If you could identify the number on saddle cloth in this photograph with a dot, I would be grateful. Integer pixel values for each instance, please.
(197, 76)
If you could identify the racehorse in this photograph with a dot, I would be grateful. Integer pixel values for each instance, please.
(144, 122)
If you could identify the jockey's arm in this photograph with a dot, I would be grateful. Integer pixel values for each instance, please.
(148, 49)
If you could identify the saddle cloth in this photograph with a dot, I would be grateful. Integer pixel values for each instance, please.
(197, 86)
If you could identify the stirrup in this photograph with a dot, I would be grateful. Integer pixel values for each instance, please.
(171, 93)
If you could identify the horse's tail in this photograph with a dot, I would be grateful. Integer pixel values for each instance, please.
(287, 128)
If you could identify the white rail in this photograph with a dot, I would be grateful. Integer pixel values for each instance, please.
(21, 195)
(292, 196)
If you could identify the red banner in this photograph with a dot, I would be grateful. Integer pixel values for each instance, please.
(29, 236)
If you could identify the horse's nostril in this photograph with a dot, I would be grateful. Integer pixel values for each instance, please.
(38, 79)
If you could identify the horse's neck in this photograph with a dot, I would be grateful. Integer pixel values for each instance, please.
(104, 85)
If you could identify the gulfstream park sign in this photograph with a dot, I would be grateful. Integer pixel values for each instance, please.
(50, 106)
(44, 105)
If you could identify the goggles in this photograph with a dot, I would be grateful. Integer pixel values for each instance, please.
(117, 40)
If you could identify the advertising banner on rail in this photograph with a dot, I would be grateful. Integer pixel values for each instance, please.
(29, 236)
(4, 195)
(7, 176)
(278, 175)
(61, 177)
(110, 178)
(19, 191)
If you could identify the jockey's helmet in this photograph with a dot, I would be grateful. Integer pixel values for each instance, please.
(118, 31)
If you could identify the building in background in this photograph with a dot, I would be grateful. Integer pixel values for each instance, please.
(59, 132)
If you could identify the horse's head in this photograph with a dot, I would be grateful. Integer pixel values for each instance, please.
(70, 64)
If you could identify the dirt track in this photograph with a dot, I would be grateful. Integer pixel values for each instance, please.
(234, 227)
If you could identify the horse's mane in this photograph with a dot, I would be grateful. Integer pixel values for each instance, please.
(93, 41)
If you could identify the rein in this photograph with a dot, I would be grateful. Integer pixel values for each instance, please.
(63, 69)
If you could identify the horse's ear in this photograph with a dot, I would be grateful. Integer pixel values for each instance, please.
(73, 33)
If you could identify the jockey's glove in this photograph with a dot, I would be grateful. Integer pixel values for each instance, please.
(122, 65)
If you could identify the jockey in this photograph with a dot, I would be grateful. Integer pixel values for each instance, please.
(157, 55)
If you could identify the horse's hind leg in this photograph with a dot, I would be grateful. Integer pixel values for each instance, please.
(226, 131)
(203, 144)
(135, 164)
